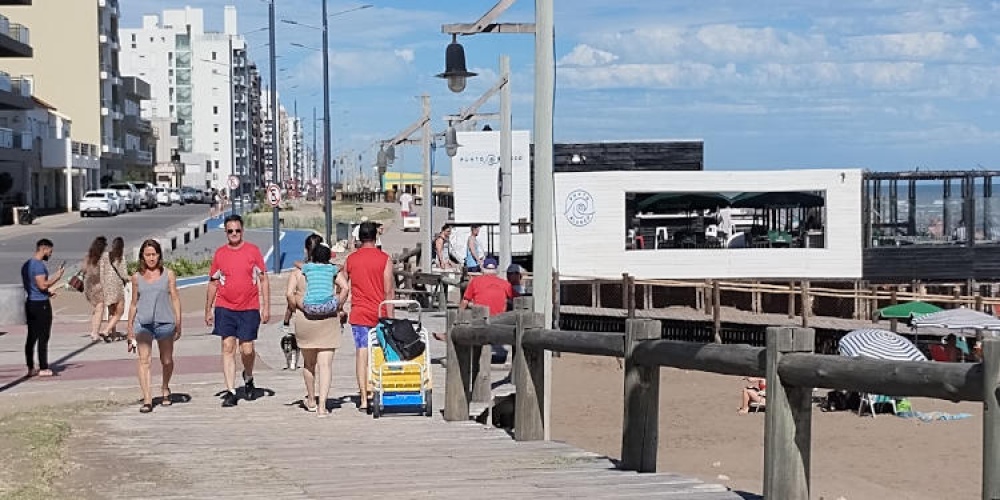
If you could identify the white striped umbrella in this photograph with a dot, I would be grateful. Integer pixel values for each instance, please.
(879, 344)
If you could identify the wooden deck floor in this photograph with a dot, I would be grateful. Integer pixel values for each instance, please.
(272, 449)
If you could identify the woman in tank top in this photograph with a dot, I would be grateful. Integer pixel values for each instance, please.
(155, 315)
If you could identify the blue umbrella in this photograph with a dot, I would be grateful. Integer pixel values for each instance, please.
(879, 344)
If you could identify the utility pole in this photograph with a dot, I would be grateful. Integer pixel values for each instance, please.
(543, 244)
(506, 169)
(314, 161)
(327, 184)
(426, 231)
(276, 221)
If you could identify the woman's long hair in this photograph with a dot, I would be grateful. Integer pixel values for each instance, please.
(117, 249)
(312, 241)
(155, 245)
(97, 247)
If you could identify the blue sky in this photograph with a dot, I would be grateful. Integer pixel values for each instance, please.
(878, 84)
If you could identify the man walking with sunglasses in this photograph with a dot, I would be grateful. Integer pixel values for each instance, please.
(238, 301)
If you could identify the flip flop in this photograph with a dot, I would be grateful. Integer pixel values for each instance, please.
(46, 373)
(146, 408)
(166, 399)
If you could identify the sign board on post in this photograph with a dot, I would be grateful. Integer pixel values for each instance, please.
(273, 194)
(234, 182)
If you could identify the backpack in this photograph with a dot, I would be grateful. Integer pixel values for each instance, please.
(402, 337)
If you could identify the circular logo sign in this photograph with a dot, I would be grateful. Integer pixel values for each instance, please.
(579, 208)
(234, 182)
(273, 194)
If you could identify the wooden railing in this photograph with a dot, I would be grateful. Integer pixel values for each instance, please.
(788, 363)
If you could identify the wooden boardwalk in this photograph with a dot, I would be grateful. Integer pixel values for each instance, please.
(272, 449)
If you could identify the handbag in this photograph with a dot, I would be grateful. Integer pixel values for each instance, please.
(76, 282)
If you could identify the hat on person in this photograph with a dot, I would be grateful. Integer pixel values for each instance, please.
(489, 263)
(514, 268)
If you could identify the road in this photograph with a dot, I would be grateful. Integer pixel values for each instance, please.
(72, 237)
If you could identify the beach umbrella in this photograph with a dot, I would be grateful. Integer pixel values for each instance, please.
(777, 199)
(908, 310)
(879, 344)
(665, 202)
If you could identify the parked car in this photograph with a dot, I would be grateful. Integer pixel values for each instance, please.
(191, 195)
(130, 195)
(97, 202)
(147, 194)
(175, 196)
(162, 195)
(117, 201)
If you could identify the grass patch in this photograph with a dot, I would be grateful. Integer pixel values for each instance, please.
(182, 266)
(34, 445)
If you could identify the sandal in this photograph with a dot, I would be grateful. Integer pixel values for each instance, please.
(46, 373)
(305, 404)
(166, 398)
(146, 408)
(742, 411)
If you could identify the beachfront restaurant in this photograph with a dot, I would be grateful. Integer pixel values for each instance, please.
(931, 226)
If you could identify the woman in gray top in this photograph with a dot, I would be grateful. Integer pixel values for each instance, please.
(155, 315)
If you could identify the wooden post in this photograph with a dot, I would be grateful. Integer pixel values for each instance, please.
(788, 419)
(873, 303)
(442, 290)
(893, 299)
(979, 302)
(991, 418)
(640, 424)
(529, 372)
(626, 304)
(524, 304)
(755, 297)
(482, 390)
(595, 294)
(647, 297)
(458, 379)
(716, 312)
(806, 303)
(699, 296)
(791, 299)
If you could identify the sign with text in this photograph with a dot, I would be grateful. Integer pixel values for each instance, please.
(273, 194)
(477, 164)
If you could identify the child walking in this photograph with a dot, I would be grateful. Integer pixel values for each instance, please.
(319, 300)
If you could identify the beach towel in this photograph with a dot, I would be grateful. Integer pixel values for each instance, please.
(934, 416)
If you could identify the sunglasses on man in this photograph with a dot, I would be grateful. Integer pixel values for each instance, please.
(234, 231)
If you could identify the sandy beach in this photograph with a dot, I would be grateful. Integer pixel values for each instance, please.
(701, 435)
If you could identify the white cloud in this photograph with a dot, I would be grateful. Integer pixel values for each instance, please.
(913, 46)
(585, 55)
(405, 54)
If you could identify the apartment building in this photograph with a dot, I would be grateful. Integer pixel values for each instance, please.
(15, 95)
(74, 70)
(199, 79)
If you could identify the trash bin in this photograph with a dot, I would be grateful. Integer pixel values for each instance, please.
(22, 215)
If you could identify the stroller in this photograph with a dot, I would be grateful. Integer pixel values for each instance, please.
(396, 383)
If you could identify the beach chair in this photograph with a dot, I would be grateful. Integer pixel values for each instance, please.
(873, 399)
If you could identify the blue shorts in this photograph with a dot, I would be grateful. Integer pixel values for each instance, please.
(240, 324)
(159, 331)
(323, 309)
(360, 336)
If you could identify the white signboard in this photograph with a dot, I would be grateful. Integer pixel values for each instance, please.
(234, 182)
(474, 173)
(273, 194)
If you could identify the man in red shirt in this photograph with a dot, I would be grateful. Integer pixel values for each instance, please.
(488, 290)
(237, 283)
(370, 272)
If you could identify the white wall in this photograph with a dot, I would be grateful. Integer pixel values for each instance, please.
(594, 246)
(474, 175)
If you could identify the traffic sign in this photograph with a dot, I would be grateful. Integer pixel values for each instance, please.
(273, 194)
(269, 175)
(234, 182)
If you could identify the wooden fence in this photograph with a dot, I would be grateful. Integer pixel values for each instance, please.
(788, 362)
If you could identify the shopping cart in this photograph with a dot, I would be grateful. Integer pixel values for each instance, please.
(396, 384)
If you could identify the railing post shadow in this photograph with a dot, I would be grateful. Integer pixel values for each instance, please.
(529, 374)
(991, 418)
(482, 390)
(458, 371)
(640, 424)
(788, 419)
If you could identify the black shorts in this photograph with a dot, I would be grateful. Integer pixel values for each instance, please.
(240, 324)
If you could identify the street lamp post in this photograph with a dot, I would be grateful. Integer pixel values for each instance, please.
(327, 177)
(276, 220)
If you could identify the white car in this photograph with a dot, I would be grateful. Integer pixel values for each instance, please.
(162, 195)
(175, 196)
(119, 202)
(99, 202)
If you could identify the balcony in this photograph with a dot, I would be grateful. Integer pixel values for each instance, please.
(138, 124)
(109, 40)
(139, 157)
(136, 87)
(14, 39)
(15, 93)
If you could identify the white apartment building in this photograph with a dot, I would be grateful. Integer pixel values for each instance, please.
(195, 79)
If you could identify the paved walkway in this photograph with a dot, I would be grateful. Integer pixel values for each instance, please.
(272, 448)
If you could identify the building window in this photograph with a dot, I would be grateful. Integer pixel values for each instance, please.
(216, 164)
(133, 37)
(208, 166)
(214, 55)
(215, 128)
(215, 146)
(215, 110)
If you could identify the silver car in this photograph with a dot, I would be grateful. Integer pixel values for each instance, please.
(129, 194)
(147, 194)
